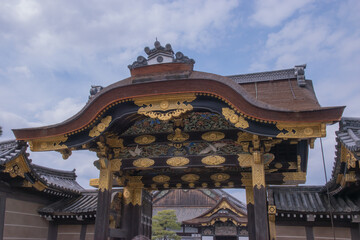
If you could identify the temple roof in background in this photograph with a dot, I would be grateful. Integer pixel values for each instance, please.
(83, 206)
(191, 203)
(312, 199)
(340, 196)
(15, 164)
(224, 210)
(349, 134)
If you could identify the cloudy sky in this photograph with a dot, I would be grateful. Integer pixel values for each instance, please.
(53, 51)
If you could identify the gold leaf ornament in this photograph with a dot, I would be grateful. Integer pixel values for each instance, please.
(245, 160)
(212, 136)
(220, 177)
(161, 179)
(235, 119)
(177, 161)
(144, 139)
(178, 136)
(100, 127)
(143, 162)
(213, 160)
(165, 107)
(190, 178)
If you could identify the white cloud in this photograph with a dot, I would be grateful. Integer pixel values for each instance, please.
(9, 120)
(66, 33)
(62, 111)
(273, 12)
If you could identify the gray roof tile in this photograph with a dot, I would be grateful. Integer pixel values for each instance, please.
(308, 199)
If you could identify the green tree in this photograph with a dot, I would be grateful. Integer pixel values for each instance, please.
(164, 224)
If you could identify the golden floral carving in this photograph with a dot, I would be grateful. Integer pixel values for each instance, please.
(165, 107)
(133, 190)
(144, 139)
(161, 178)
(143, 162)
(220, 177)
(114, 141)
(48, 144)
(178, 136)
(244, 137)
(235, 119)
(204, 185)
(190, 177)
(213, 160)
(178, 185)
(17, 167)
(177, 161)
(100, 127)
(213, 136)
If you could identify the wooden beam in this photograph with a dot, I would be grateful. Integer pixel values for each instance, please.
(83, 232)
(103, 205)
(52, 231)
(2, 215)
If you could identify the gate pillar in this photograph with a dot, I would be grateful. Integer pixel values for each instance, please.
(131, 220)
(250, 211)
(260, 205)
(103, 205)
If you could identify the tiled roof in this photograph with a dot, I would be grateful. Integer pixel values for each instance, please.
(349, 133)
(311, 200)
(184, 213)
(264, 76)
(349, 136)
(218, 211)
(10, 150)
(57, 181)
(86, 204)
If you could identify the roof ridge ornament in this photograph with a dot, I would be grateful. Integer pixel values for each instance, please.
(299, 71)
(159, 55)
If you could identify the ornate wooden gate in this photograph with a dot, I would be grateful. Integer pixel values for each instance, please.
(168, 126)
